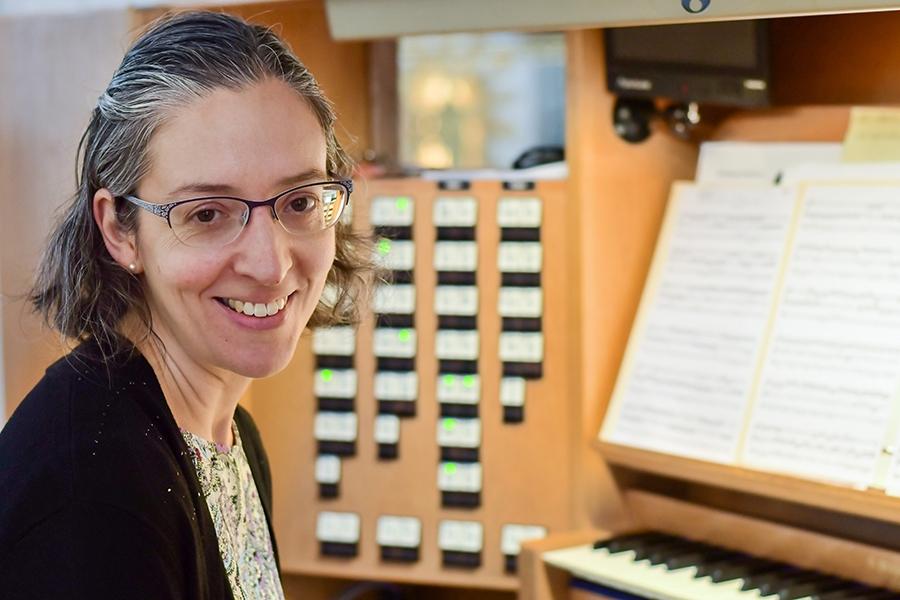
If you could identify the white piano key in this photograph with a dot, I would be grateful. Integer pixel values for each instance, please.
(456, 300)
(334, 341)
(460, 536)
(391, 211)
(455, 211)
(519, 212)
(340, 527)
(455, 256)
(520, 257)
(335, 383)
(621, 571)
(396, 255)
(397, 299)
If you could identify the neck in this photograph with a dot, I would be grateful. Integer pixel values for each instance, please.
(202, 400)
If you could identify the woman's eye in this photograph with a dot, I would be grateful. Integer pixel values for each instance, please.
(301, 204)
(206, 215)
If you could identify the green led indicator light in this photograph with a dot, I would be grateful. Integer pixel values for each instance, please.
(384, 246)
(449, 424)
(449, 380)
(327, 374)
(469, 381)
(402, 203)
(403, 335)
(450, 468)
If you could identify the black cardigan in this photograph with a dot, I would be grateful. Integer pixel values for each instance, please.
(98, 495)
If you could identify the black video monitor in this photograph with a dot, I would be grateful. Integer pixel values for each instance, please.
(725, 63)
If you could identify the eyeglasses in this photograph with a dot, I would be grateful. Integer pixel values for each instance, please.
(214, 221)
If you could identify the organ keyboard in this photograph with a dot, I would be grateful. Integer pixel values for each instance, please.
(667, 567)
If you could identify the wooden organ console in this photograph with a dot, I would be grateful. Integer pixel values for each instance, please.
(601, 229)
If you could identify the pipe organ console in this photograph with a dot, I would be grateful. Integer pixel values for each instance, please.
(452, 440)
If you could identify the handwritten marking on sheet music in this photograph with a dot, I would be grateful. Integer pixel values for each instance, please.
(833, 368)
(693, 362)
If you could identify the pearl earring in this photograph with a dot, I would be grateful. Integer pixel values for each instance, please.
(132, 267)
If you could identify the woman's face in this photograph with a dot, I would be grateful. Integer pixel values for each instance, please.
(252, 143)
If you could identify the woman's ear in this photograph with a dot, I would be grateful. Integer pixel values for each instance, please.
(121, 244)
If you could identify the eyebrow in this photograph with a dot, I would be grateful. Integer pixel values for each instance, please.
(203, 188)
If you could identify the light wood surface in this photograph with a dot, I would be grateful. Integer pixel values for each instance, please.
(619, 192)
(541, 581)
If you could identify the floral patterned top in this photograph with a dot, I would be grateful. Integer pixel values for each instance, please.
(237, 513)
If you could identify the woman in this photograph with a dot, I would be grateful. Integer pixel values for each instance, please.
(130, 471)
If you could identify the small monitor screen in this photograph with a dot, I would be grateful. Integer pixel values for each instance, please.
(731, 44)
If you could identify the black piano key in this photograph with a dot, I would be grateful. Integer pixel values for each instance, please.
(663, 553)
(810, 589)
(645, 551)
(708, 564)
(702, 558)
(779, 582)
(617, 544)
(859, 592)
(743, 569)
(867, 593)
(637, 542)
(756, 582)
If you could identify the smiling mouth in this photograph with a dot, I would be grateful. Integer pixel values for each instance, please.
(256, 309)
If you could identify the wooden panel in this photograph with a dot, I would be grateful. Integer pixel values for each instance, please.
(540, 581)
(841, 59)
(619, 192)
(52, 69)
(517, 459)
(872, 504)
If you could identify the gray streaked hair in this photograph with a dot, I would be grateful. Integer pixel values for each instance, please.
(79, 289)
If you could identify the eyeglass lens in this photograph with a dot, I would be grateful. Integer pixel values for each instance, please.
(219, 221)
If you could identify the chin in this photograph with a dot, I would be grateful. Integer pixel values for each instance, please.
(259, 365)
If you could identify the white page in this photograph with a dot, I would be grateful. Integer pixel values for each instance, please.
(832, 369)
(759, 162)
(847, 172)
(693, 353)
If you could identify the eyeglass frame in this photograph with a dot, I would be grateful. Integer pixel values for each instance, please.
(165, 210)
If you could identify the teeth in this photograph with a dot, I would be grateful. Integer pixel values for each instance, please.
(257, 309)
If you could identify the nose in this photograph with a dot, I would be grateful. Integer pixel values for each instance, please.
(264, 248)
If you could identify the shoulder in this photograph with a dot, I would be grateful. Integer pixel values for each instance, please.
(89, 431)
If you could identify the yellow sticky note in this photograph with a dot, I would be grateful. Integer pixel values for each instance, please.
(873, 135)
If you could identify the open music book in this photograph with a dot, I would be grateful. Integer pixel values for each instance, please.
(768, 334)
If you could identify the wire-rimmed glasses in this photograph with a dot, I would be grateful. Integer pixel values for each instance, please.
(214, 221)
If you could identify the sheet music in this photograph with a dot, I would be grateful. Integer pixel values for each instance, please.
(692, 357)
(832, 370)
